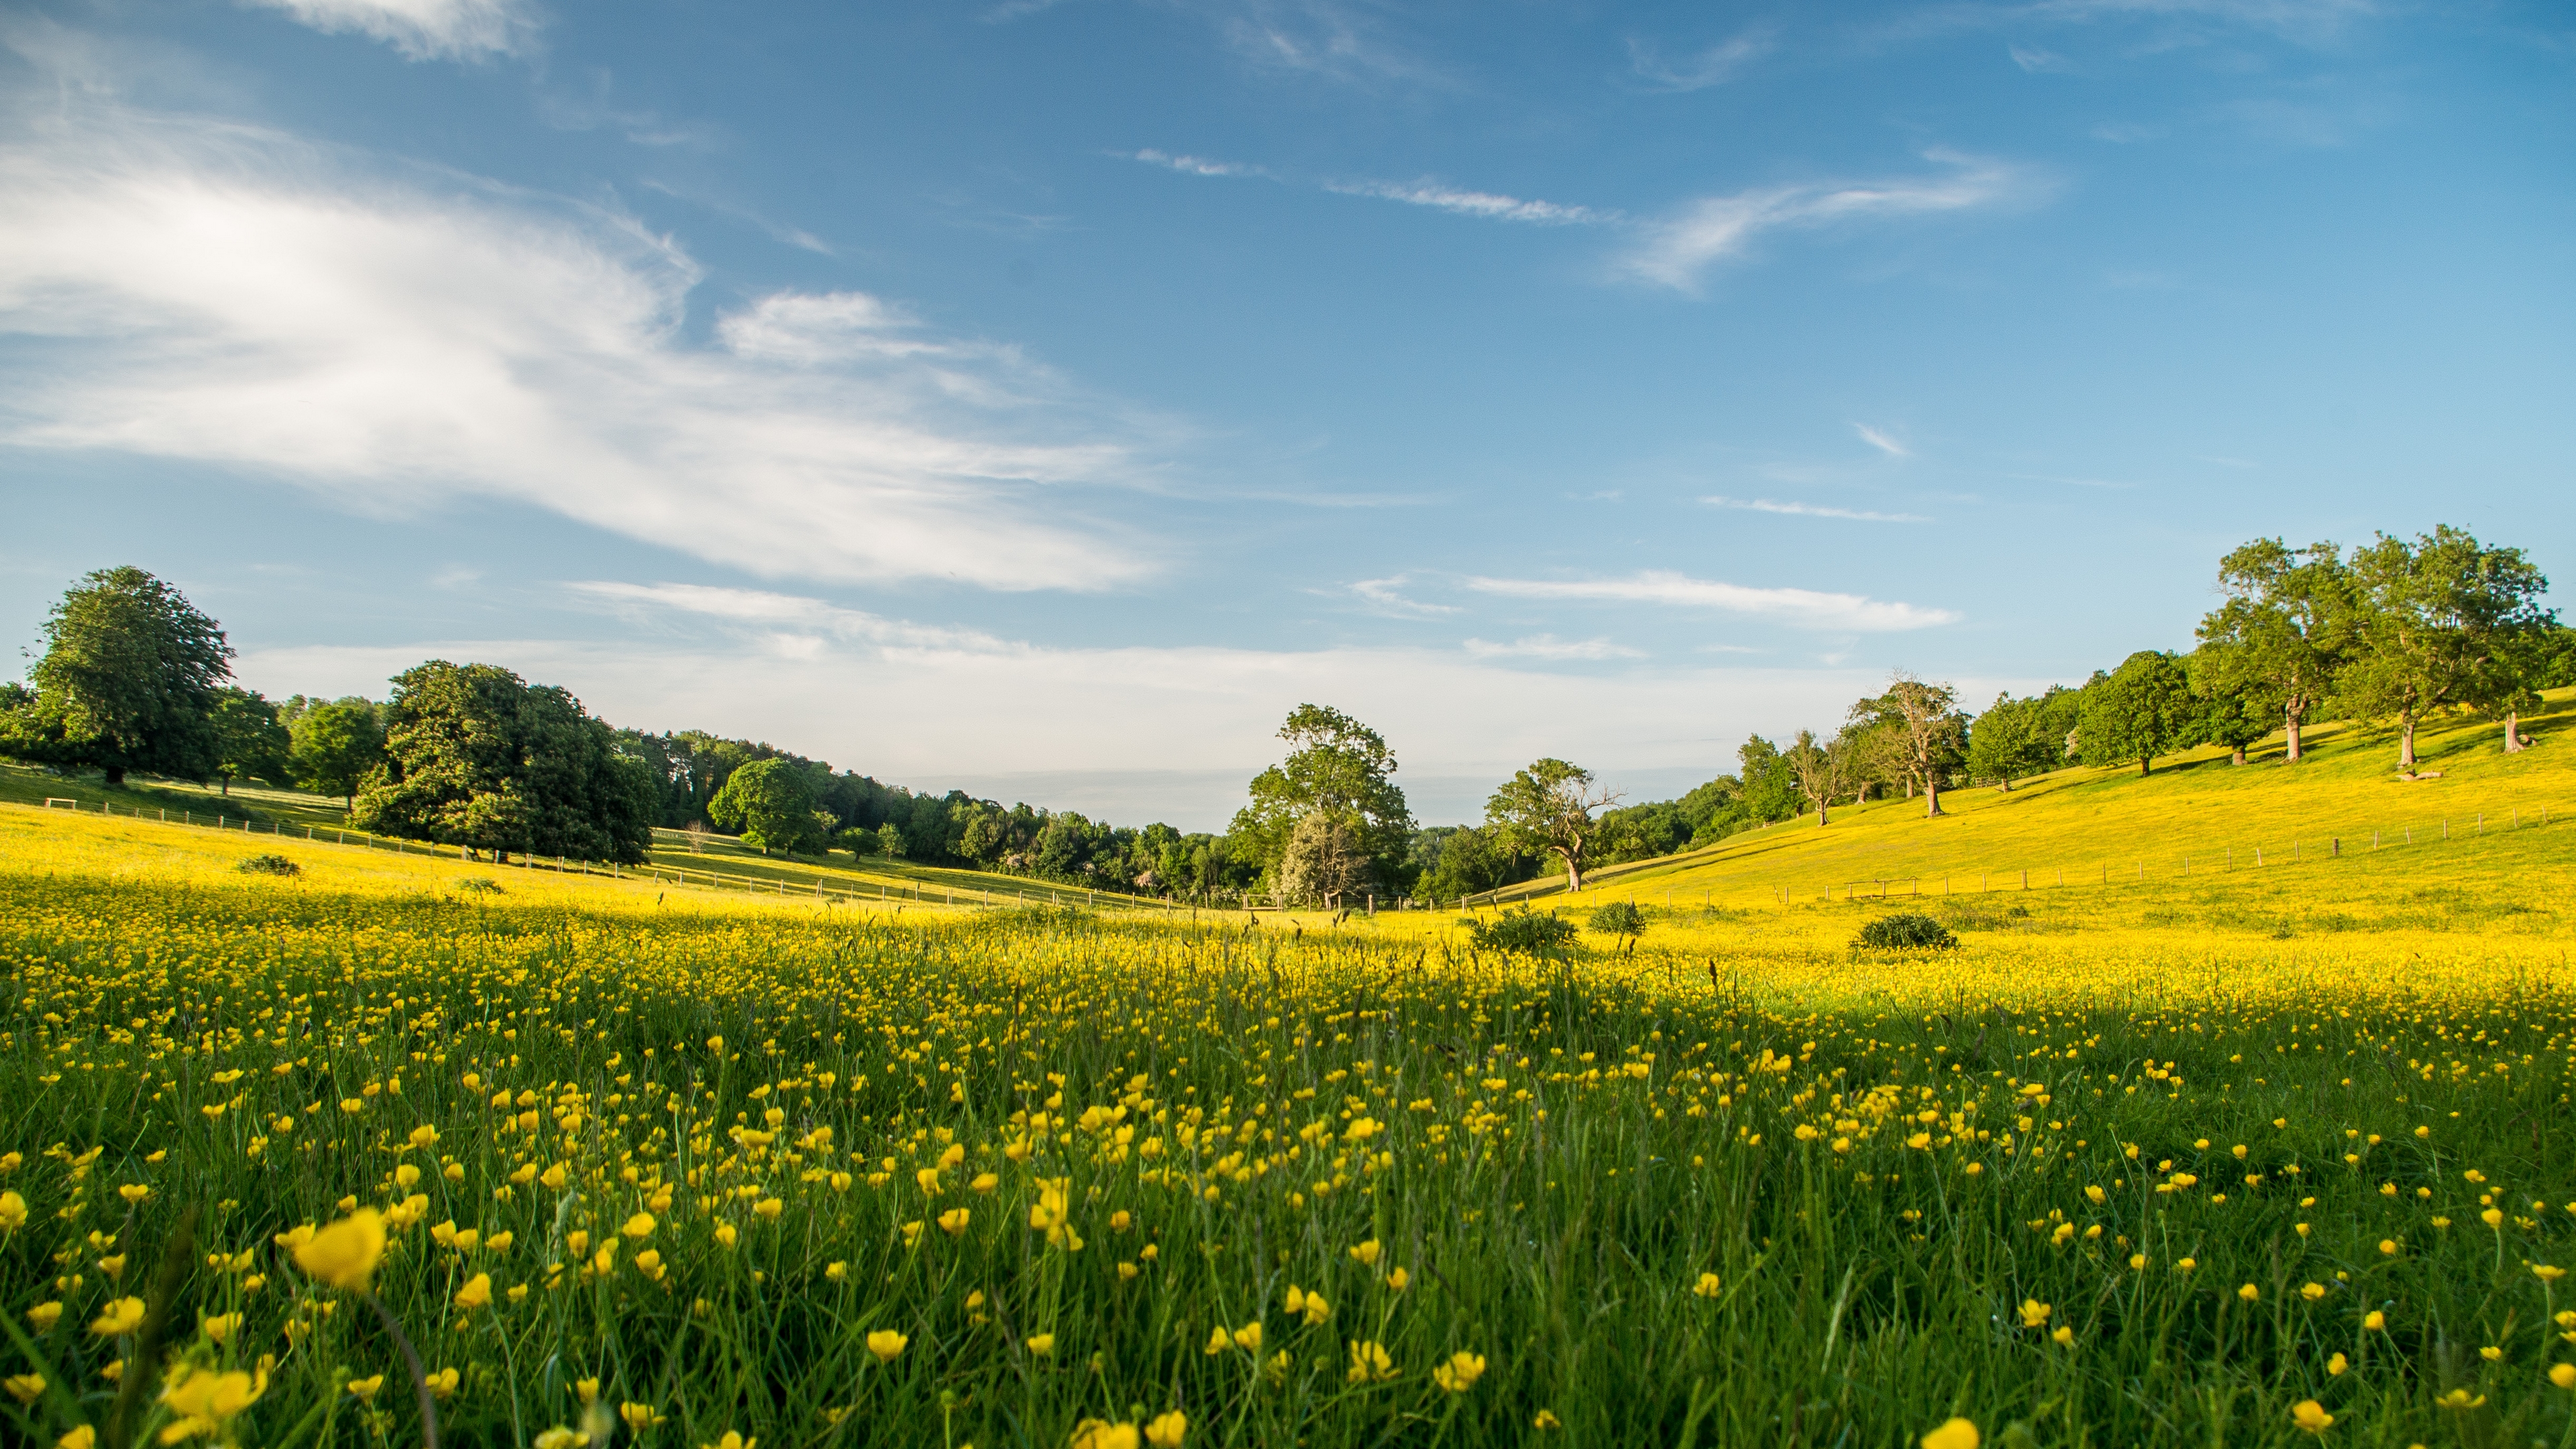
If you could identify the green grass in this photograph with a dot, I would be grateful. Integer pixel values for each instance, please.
(2194, 812)
(1570, 1147)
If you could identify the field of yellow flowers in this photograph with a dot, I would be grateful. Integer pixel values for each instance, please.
(308, 1159)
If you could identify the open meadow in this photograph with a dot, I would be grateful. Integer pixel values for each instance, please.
(2242, 1158)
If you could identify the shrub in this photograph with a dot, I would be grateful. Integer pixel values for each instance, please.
(1619, 918)
(480, 884)
(269, 865)
(1906, 931)
(1524, 932)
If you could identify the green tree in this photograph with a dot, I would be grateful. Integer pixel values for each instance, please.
(1826, 770)
(336, 744)
(249, 742)
(2280, 638)
(476, 756)
(2140, 710)
(130, 680)
(1925, 736)
(770, 804)
(2445, 621)
(2011, 740)
(1548, 807)
(1770, 783)
(1323, 864)
(2226, 714)
(1338, 768)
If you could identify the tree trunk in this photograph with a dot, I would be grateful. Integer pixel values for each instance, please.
(2006, 786)
(2237, 758)
(115, 775)
(1824, 812)
(2512, 732)
(1573, 872)
(224, 786)
(2146, 763)
(2406, 740)
(2290, 726)
(1931, 797)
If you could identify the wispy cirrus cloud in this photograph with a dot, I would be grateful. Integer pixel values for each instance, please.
(1488, 205)
(1878, 439)
(1676, 252)
(1548, 646)
(241, 298)
(422, 29)
(1812, 510)
(1801, 608)
(1698, 71)
(1191, 165)
(793, 614)
(1384, 596)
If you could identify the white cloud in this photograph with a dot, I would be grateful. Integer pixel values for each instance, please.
(421, 29)
(1484, 204)
(1803, 608)
(1881, 441)
(757, 607)
(1548, 646)
(1382, 597)
(1192, 165)
(1712, 66)
(230, 296)
(2037, 61)
(1715, 229)
(1812, 510)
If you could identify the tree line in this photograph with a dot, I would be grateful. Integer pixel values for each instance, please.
(2397, 632)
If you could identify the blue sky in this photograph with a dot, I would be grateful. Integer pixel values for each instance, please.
(1045, 397)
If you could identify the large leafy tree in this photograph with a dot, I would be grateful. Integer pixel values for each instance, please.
(1548, 807)
(2138, 711)
(2011, 740)
(478, 757)
(1337, 768)
(2280, 638)
(2443, 621)
(771, 804)
(131, 678)
(336, 744)
(1923, 732)
(249, 742)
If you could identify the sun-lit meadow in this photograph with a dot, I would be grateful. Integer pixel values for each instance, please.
(2245, 1159)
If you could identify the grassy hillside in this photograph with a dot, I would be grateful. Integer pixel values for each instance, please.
(2196, 817)
(279, 818)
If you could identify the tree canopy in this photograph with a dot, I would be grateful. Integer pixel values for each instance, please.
(131, 678)
(770, 803)
(2140, 710)
(1548, 806)
(1338, 768)
(477, 757)
(2442, 621)
(336, 744)
(249, 742)
(2279, 640)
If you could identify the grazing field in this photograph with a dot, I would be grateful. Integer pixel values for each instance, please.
(2169, 1163)
(2196, 820)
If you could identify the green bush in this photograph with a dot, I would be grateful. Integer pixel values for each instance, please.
(1524, 932)
(480, 884)
(1619, 918)
(269, 865)
(1906, 931)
